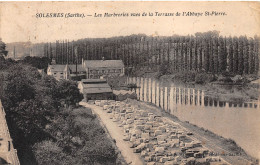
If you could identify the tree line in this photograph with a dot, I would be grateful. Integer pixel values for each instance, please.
(207, 52)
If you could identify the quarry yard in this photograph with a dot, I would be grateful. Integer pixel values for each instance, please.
(146, 136)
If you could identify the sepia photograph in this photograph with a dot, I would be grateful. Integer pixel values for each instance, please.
(129, 83)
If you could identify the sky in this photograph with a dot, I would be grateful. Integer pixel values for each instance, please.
(18, 21)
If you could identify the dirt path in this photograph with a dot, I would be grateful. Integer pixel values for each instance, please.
(117, 134)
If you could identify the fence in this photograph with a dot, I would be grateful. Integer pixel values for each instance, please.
(167, 97)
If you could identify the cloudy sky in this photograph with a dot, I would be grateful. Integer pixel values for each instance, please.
(18, 21)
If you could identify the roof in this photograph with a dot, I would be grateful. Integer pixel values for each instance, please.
(93, 81)
(79, 68)
(95, 86)
(97, 90)
(57, 68)
(103, 64)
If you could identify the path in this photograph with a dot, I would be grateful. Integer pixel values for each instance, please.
(117, 134)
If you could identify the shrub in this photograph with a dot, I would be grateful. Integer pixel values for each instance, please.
(202, 78)
(185, 76)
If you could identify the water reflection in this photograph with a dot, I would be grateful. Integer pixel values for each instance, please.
(166, 97)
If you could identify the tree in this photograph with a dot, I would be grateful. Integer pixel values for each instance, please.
(205, 45)
(3, 52)
(245, 55)
(18, 85)
(256, 54)
(240, 56)
(235, 55)
(215, 55)
(68, 92)
(251, 57)
(230, 55)
(221, 56)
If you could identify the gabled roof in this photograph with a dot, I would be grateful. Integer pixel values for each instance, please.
(95, 86)
(103, 63)
(57, 68)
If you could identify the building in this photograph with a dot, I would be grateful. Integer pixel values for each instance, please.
(57, 71)
(96, 69)
(68, 72)
(8, 155)
(95, 89)
(89, 69)
(73, 72)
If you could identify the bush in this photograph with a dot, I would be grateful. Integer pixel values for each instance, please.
(185, 76)
(202, 78)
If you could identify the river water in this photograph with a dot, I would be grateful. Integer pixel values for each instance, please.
(240, 122)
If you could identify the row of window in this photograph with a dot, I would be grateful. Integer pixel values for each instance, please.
(106, 71)
(56, 73)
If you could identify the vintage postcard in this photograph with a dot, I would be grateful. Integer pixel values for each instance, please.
(153, 83)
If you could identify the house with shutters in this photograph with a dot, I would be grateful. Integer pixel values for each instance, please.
(57, 71)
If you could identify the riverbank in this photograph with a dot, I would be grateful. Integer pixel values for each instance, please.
(218, 91)
(226, 148)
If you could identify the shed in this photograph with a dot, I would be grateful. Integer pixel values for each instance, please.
(95, 89)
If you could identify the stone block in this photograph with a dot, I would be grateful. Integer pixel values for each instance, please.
(159, 149)
(144, 153)
(162, 128)
(157, 132)
(129, 121)
(144, 113)
(164, 159)
(145, 135)
(147, 127)
(132, 139)
(161, 137)
(139, 127)
(172, 162)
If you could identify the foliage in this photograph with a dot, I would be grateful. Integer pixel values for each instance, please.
(80, 140)
(206, 51)
(37, 62)
(30, 102)
(184, 76)
(3, 51)
(68, 92)
(202, 78)
(116, 81)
